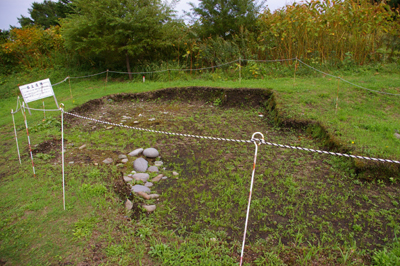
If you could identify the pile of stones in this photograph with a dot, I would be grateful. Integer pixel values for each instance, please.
(141, 174)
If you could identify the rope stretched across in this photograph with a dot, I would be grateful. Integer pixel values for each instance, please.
(236, 140)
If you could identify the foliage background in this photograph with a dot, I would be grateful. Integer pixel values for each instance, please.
(331, 33)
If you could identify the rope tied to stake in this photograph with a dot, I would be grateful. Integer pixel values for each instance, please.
(257, 142)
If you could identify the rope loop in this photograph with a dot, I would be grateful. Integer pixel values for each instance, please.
(258, 141)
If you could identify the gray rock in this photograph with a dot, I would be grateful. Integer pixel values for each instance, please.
(164, 177)
(140, 188)
(148, 184)
(122, 156)
(158, 163)
(82, 147)
(124, 160)
(175, 173)
(127, 179)
(151, 153)
(136, 152)
(140, 165)
(108, 161)
(150, 208)
(154, 196)
(153, 169)
(141, 177)
(128, 205)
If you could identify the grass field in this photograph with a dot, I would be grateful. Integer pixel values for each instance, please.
(307, 209)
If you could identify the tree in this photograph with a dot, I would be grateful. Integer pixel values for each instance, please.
(46, 14)
(117, 29)
(224, 18)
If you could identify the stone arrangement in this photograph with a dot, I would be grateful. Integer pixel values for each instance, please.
(141, 174)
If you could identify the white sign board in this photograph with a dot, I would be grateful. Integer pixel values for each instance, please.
(37, 90)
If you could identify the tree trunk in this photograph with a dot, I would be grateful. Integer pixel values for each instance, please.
(128, 67)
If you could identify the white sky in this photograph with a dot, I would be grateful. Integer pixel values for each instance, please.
(10, 10)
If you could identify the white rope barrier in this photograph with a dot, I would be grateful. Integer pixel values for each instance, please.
(18, 106)
(61, 82)
(269, 61)
(228, 63)
(235, 140)
(88, 76)
(342, 79)
(176, 69)
(43, 110)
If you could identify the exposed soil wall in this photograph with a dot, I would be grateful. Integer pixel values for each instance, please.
(249, 97)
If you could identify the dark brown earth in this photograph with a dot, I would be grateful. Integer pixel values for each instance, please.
(195, 98)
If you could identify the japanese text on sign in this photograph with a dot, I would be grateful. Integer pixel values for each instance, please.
(37, 90)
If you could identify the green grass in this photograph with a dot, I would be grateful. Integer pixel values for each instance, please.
(306, 208)
(364, 121)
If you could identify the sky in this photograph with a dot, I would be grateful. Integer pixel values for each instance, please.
(10, 10)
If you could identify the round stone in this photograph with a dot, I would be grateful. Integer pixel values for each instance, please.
(148, 184)
(124, 160)
(153, 169)
(136, 152)
(158, 163)
(122, 156)
(127, 179)
(150, 208)
(140, 188)
(108, 161)
(140, 165)
(151, 153)
(141, 177)
(128, 205)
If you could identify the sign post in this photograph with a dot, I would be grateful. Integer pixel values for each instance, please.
(36, 91)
